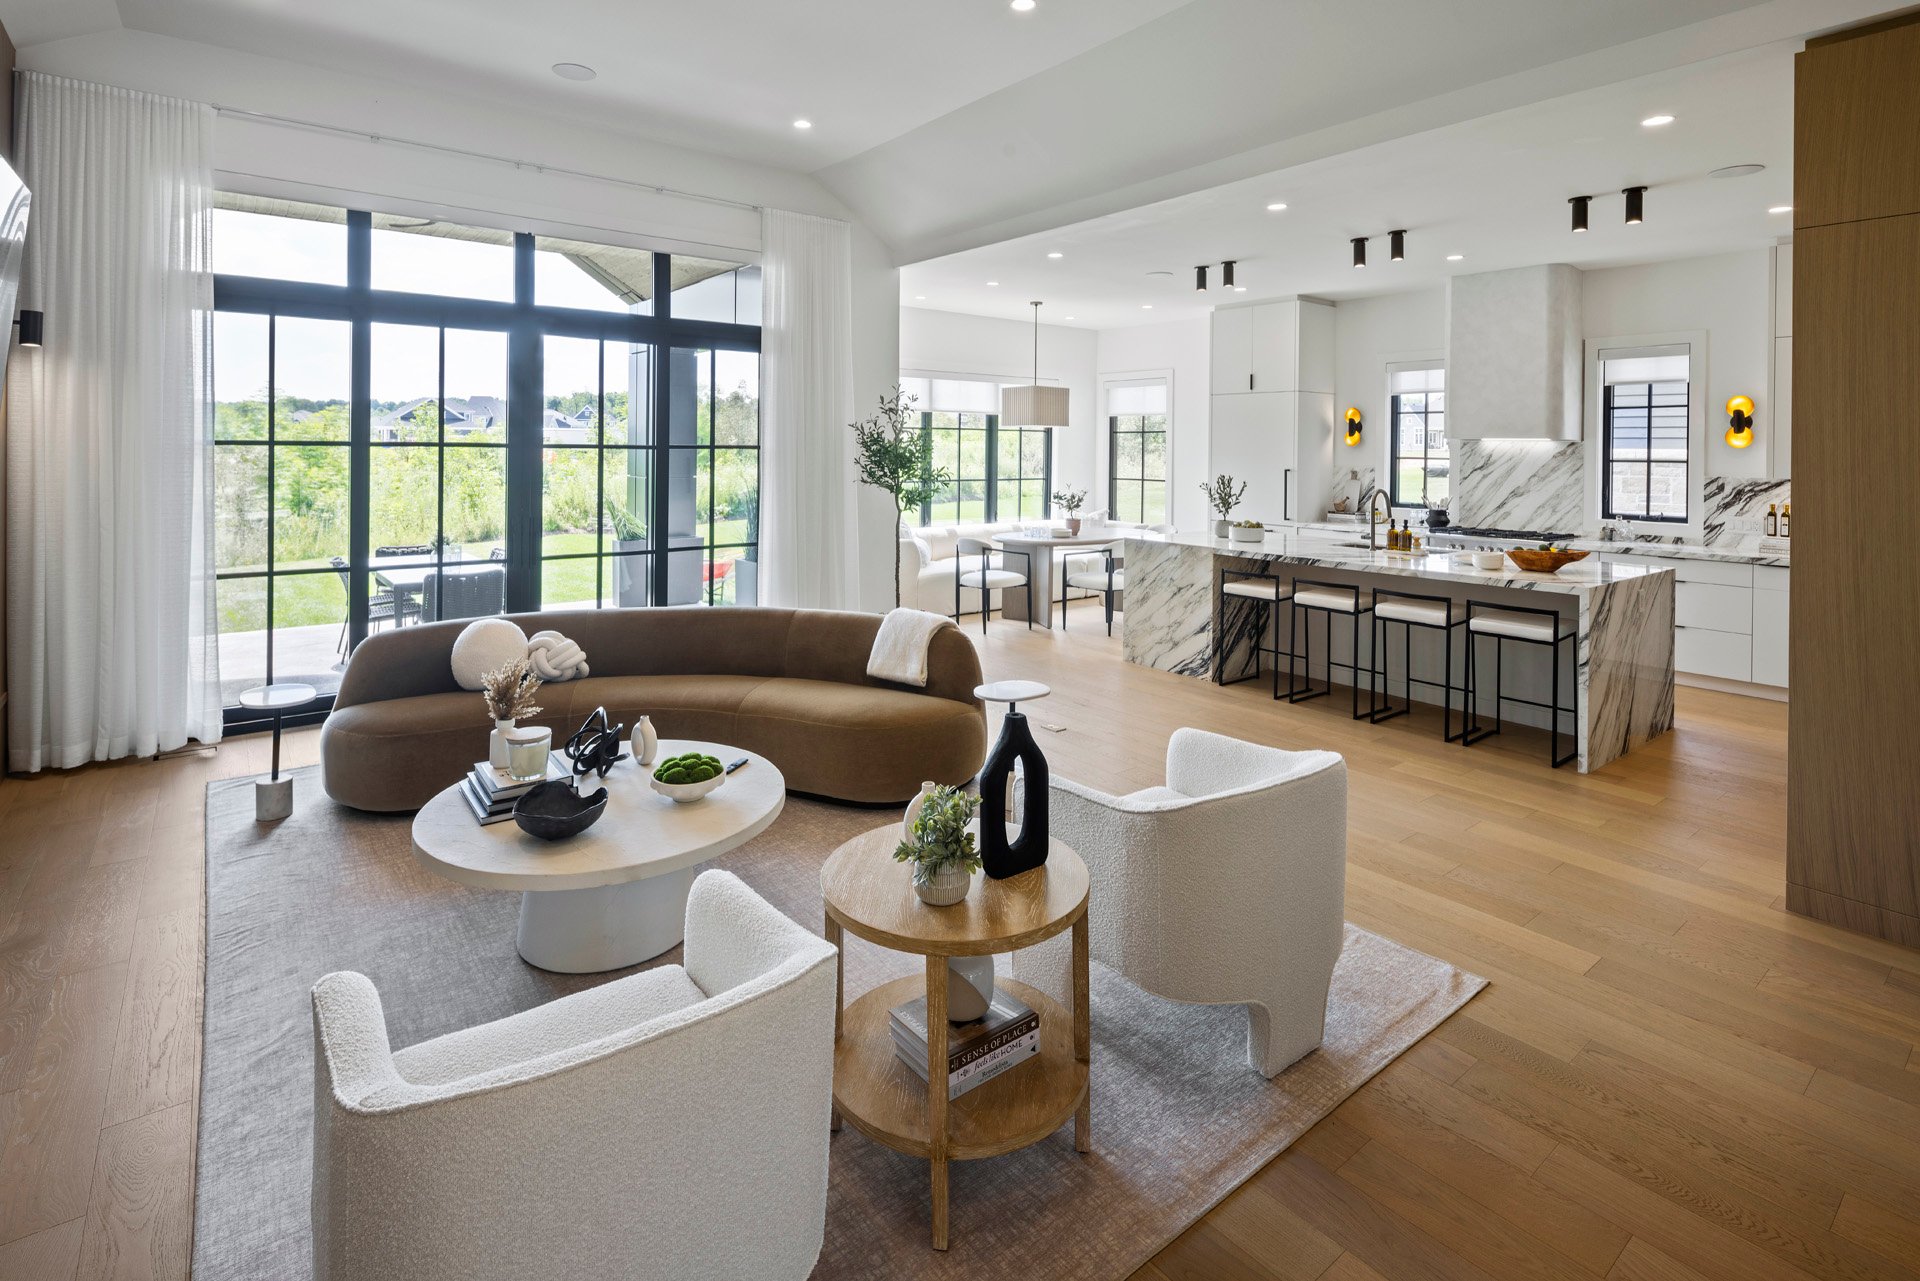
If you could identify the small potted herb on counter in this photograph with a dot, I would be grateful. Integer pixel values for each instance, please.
(940, 847)
(1223, 495)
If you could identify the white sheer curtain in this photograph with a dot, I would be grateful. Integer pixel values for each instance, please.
(808, 548)
(112, 643)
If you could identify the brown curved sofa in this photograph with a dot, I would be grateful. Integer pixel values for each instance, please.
(791, 685)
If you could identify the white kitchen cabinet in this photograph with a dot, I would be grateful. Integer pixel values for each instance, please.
(1273, 346)
(1713, 605)
(1233, 351)
(1703, 651)
(1256, 439)
(1770, 626)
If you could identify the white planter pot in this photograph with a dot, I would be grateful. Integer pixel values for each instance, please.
(945, 887)
(1220, 528)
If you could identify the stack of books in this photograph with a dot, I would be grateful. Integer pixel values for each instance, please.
(977, 1052)
(490, 793)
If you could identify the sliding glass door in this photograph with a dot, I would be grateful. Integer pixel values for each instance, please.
(418, 421)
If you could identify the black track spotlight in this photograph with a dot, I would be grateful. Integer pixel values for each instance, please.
(1580, 204)
(1359, 251)
(32, 324)
(1635, 204)
(1397, 245)
(1226, 274)
(1200, 279)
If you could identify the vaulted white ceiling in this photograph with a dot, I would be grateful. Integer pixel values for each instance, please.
(950, 124)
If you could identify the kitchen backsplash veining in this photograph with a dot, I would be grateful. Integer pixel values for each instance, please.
(1530, 484)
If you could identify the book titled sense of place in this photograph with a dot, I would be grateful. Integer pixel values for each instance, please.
(490, 793)
(1009, 1034)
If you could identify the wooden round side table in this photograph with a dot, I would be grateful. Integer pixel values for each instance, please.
(870, 895)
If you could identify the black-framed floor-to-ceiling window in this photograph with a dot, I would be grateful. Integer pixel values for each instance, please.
(416, 421)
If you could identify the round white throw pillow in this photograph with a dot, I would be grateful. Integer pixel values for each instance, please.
(486, 645)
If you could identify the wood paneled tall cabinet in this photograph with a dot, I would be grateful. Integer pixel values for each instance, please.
(1853, 770)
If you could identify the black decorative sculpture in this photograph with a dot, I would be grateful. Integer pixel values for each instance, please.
(1001, 857)
(596, 745)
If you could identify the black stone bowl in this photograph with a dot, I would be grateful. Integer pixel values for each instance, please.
(553, 811)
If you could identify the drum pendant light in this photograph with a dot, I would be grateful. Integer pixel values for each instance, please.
(1034, 405)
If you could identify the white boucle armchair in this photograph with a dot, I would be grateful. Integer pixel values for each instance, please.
(1225, 887)
(670, 1124)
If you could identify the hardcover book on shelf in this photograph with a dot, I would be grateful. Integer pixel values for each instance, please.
(979, 1071)
(483, 812)
(1007, 1020)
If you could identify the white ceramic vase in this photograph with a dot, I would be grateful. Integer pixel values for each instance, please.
(914, 806)
(497, 745)
(944, 887)
(644, 741)
(969, 988)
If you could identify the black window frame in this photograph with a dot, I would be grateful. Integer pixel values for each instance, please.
(526, 324)
(1115, 479)
(991, 481)
(1607, 508)
(1394, 455)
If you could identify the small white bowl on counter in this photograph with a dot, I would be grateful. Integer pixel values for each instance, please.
(1488, 560)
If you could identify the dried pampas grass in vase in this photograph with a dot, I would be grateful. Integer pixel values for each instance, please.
(509, 691)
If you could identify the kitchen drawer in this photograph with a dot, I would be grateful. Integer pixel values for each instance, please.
(1714, 606)
(1702, 651)
(1728, 573)
(1773, 578)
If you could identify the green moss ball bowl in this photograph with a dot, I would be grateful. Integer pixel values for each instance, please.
(687, 793)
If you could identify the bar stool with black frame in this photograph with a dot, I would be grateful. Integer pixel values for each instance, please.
(989, 578)
(1330, 599)
(1529, 625)
(1267, 591)
(1414, 609)
(1109, 580)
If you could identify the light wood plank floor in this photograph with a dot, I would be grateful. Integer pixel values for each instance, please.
(1669, 1078)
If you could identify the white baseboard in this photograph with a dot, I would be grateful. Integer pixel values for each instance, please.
(1749, 689)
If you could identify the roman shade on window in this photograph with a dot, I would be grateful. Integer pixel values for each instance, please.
(111, 639)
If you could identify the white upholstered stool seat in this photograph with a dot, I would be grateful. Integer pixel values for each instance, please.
(1097, 580)
(1338, 602)
(1430, 613)
(1258, 589)
(993, 579)
(1506, 622)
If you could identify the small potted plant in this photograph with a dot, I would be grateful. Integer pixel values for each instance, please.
(1071, 501)
(940, 846)
(1223, 495)
(1247, 531)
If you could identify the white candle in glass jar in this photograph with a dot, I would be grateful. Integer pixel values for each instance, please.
(527, 751)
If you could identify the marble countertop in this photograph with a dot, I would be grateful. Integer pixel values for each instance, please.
(1308, 546)
(1621, 547)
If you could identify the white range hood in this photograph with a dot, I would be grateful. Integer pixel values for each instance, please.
(1514, 360)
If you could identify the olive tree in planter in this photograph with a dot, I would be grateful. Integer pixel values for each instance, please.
(891, 453)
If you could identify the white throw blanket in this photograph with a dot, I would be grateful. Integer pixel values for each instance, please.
(900, 649)
(555, 658)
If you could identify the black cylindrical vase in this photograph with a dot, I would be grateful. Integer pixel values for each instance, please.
(999, 856)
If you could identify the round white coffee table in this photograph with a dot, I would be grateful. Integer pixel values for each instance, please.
(616, 894)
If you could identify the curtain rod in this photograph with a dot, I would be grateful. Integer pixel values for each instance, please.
(314, 126)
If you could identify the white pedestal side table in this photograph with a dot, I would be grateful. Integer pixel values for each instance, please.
(273, 795)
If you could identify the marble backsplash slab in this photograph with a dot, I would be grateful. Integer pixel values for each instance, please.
(1536, 484)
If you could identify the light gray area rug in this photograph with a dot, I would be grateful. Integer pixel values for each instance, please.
(1179, 1120)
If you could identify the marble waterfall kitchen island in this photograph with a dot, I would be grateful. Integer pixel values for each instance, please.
(1623, 615)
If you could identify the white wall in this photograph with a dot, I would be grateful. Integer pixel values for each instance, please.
(947, 342)
(1368, 335)
(1182, 349)
(271, 159)
(1730, 296)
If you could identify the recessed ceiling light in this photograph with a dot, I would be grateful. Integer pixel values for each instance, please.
(574, 71)
(1146, 306)
(1056, 254)
(1069, 317)
(1276, 206)
(1159, 273)
(993, 284)
(1736, 171)
(1654, 122)
(803, 123)
(1455, 257)
(1021, 6)
(919, 297)
(1239, 289)
(1780, 209)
